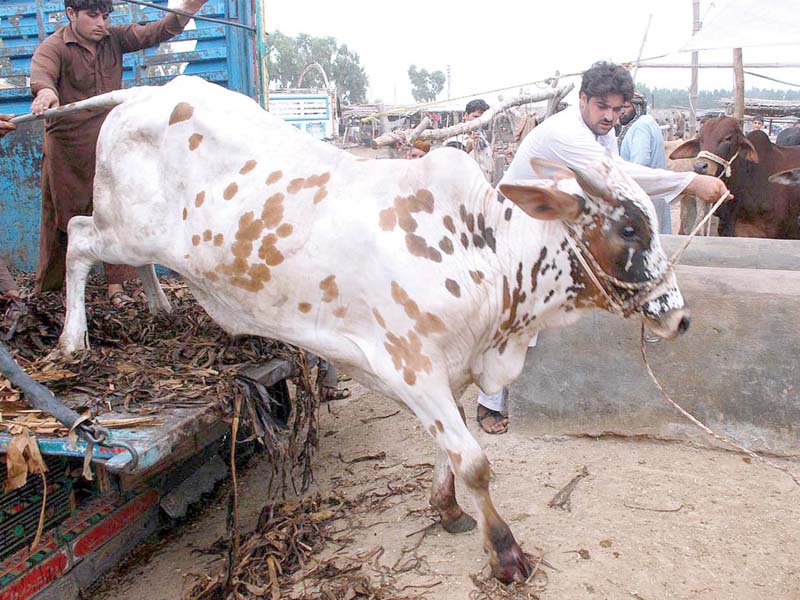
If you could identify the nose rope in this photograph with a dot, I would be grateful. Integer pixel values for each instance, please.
(716, 158)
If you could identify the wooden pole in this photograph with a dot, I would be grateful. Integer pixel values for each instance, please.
(552, 104)
(693, 96)
(738, 88)
(641, 48)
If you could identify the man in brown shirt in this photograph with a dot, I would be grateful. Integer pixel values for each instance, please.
(81, 60)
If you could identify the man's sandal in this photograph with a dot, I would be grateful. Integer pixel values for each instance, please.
(332, 393)
(491, 421)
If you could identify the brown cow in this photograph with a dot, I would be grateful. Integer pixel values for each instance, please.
(760, 208)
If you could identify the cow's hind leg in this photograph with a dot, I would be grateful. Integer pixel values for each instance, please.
(81, 257)
(157, 301)
(441, 418)
(443, 497)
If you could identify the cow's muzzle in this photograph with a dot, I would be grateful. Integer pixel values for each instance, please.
(665, 312)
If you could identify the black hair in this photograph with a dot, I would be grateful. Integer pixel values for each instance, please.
(758, 118)
(604, 78)
(474, 105)
(456, 145)
(103, 6)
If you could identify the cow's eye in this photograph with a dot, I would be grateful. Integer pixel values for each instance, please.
(628, 232)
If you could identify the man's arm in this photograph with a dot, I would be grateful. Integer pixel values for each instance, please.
(45, 73)
(139, 36)
(583, 152)
(5, 125)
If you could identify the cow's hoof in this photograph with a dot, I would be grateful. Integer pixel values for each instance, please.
(461, 524)
(511, 564)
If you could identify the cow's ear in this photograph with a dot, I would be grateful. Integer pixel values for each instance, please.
(688, 149)
(749, 150)
(790, 177)
(542, 202)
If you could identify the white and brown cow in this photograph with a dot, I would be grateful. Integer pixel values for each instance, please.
(415, 277)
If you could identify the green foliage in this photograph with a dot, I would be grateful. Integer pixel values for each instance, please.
(425, 86)
(678, 97)
(287, 57)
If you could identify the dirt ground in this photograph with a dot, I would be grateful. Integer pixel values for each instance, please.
(650, 521)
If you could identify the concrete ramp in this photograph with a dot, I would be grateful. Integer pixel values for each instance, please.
(737, 369)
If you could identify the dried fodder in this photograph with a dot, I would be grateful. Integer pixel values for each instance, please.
(489, 588)
(142, 364)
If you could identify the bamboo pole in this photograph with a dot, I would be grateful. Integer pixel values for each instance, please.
(693, 95)
(738, 89)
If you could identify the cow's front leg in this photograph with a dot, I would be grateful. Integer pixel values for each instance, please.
(81, 256)
(443, 421)
(443, 497)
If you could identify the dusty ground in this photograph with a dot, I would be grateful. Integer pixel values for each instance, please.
(651, 520)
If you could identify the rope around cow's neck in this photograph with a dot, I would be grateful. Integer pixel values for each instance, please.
(625, 308)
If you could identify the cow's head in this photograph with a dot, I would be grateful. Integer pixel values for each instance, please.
(790, 177)
(611, 222)
(721, 137)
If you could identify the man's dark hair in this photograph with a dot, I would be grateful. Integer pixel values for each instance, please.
(474, 105)
(604, 78)
(758, 118)
(103, 6)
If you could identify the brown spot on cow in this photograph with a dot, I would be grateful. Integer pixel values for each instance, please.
(448, 223)
(330, 291)
(295, 185)
(284, 230)
(271, 255)
(211, 276)
(340, 312)
(260, 272)
(453, 287)
(248, 166)
(439, 425)
(196, 240)
(425, 323)
(387, 219)
(320, 194)
(194, 141)
(317, 180)
(304, 307)
(379, 318)
(185, 213)
(249, 228)
(199, 199)
(218, 239)
(407, 356)
(274, 176)
(207, 235)
(432, 431)
(446, 244)
(182, 112)
(477, 276)
(506, 294)
(419, 247)
(464, 240)
(272, 213)
(230, 191)
(455, 458)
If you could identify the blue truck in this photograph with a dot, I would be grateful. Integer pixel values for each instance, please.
(178, 459)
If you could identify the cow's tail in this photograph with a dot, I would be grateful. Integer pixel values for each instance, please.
(101, 101)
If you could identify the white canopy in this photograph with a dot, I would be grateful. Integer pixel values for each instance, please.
(747, 23)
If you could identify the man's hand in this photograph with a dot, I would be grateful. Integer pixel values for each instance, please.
(708, 189)
(5, 126)
(45, 99)
(191, 6)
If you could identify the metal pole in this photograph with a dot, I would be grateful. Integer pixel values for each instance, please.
(695, 59)
(261, 53)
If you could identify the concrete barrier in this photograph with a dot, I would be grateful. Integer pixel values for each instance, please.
(739, 253)
(737, 369)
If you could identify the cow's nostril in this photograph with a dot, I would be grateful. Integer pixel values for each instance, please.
(683, 325)
(700, 167)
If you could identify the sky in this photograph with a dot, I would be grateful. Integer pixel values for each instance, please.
(507, 43)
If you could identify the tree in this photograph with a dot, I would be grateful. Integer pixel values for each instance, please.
(425, 86)
(287, 57)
